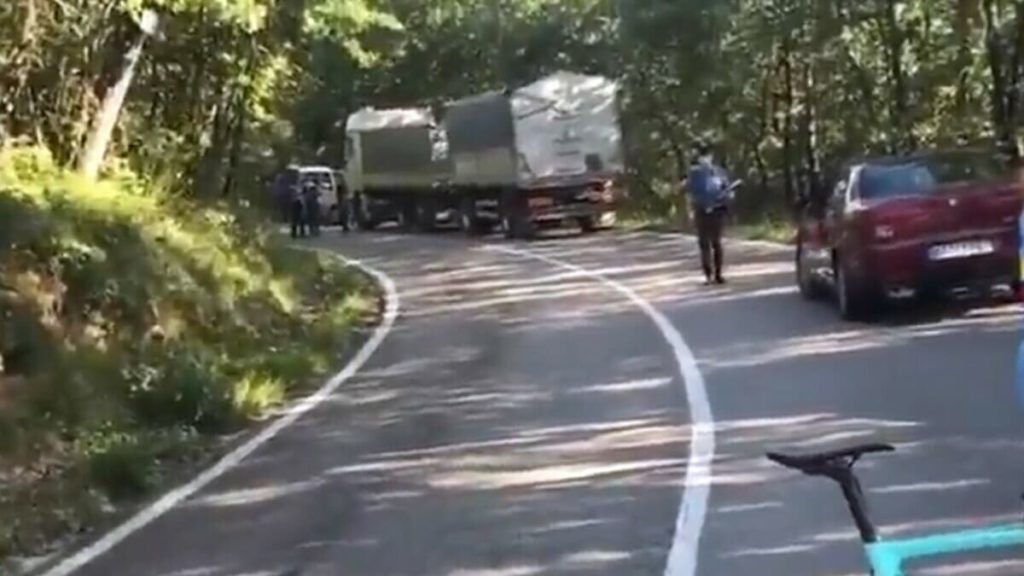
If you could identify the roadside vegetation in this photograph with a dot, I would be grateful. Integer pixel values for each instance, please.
(137, 330)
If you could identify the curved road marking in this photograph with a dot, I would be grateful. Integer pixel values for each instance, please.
(171, 499)
(682, 557)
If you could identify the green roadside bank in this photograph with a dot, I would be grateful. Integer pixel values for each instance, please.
(775, 230)
(140, 335)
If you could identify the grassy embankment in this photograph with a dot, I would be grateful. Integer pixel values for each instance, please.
(137, 333)
(662, 214)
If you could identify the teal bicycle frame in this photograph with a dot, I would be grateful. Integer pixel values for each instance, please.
(887, 557)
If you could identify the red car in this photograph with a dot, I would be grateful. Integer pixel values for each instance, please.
(900, 226)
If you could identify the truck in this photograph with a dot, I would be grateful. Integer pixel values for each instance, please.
(542, 155)
(396, 168)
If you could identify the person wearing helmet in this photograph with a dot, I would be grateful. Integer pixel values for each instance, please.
(709, 191)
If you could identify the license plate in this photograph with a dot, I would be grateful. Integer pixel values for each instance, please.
(960, 250)
(541, 202)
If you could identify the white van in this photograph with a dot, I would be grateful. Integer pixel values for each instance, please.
(296, 176)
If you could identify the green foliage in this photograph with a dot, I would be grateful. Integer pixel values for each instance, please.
(133, 324)
(255, 394)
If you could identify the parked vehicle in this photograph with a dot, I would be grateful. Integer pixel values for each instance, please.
(396, 166)
(541, 155)
(296, 176)
(901, 226)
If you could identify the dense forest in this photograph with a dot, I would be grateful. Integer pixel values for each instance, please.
(226, 90)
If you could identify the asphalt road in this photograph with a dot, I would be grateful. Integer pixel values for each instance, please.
(521, 419)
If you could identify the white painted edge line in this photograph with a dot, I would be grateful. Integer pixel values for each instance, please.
(171, 499)
(682, 557)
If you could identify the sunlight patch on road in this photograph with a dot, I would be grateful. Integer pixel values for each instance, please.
(780, 550)
(932, 486)
(553, 474)
(742, 508)
(992, 568)
(250, 496)
(594, 557)
(526, 570)
(619, 387)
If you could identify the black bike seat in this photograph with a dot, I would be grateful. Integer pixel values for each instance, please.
(815, 463)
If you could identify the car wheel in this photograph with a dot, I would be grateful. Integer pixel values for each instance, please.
(852, 300)
(809, 288)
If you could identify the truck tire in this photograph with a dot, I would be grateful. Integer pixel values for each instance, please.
(469, 222)
(515, 224)
(362, 218)
(406, 215)
(588, 224)
(426, 215)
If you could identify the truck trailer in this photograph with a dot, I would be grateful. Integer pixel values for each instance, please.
(543, 155)
(396, 168)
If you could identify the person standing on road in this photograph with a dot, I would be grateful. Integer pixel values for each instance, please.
(709, 189)
(311, 203)
(344, 206)
(296, 211)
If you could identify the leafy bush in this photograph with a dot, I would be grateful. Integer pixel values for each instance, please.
(255, 394)
(133, 324)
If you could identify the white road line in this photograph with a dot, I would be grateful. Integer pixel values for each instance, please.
(682, 558)
(171, 499)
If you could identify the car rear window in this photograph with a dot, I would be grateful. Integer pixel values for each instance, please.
(923, 175)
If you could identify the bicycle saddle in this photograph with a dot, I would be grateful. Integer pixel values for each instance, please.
(820, 462)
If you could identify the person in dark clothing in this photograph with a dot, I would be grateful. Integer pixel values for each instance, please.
(344, 207)
(297, 214)
(709, 190)
(311, 203)
(282, 196)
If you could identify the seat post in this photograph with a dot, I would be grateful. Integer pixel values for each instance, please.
(854, 496)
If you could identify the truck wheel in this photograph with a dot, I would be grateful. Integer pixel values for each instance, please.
(363, 219)
(469, 223)
(367, 224)
(515, 225)
(426, 215)
(506, 226)
(588, 224)
(406, 215)
(515, 215)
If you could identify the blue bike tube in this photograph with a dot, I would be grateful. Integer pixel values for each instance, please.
(887, 557)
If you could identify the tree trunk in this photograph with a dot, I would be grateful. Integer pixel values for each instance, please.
(812, 158)
(106, 119)
(998, 90)
(963, 61)
(904, 138)
(762, 134)
(1016, 76)
(788, 183)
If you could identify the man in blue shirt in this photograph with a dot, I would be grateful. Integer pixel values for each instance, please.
(709, 194)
